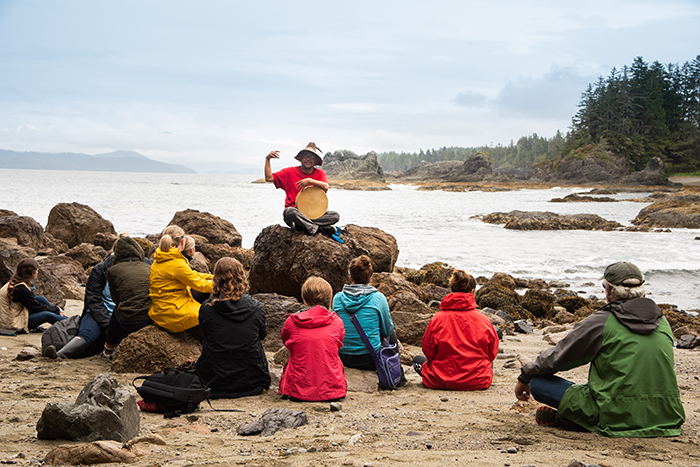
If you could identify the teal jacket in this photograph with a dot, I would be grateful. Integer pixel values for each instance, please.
(372, 312)
(632, 389)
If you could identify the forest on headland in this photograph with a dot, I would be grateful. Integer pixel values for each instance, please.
(639, 112)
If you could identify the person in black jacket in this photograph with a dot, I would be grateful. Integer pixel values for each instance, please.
(233, 362)
(98, 306)
(129, 287)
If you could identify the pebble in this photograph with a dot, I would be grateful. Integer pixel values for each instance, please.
(349, 462)
(444, 398)
(413, 433)
(512, 450)
(311, 449)
(334, 444)
(377, 415)
(354, 439)
(336, 407)
(245, 454)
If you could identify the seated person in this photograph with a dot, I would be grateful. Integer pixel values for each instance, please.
(233, 362)
(632, 390)
(294, 179)
(372, 311)
(314, 371)
(171, 278)
(97, 311)
(129, 287)
(20, 309)
(460, 343)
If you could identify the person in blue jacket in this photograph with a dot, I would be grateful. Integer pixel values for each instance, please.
(372, 312)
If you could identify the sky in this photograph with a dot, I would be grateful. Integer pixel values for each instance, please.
(216, 85)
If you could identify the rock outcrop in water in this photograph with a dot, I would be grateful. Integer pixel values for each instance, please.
(677, 211)
(346, 165)
(537, 220)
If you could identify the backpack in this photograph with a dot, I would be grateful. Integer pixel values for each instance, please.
(173, 392)
(59, 333)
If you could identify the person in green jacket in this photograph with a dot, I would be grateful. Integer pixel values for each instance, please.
(632, 389)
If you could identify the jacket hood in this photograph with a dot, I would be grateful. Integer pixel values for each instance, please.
(315, 317)
(355, 296)
(239, 310)
(162, 256)
(639, 315)
(458, 301)
(127, 249)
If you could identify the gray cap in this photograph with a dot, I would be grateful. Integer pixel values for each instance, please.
(624, 274)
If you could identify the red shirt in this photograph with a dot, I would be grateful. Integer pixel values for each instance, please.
(287, 180)
(460, 343)
(313, 371)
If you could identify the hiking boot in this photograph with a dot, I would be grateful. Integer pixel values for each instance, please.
(548, 416)
(51, 352)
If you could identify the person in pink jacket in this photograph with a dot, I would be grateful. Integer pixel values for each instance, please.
(314, 371)
(460, 343)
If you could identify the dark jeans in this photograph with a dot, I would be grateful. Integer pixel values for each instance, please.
(292, 216)
(549, 389)
(37, 319)
(118, 329)
(89, 329)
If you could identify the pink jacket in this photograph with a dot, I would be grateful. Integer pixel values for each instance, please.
(314, 371)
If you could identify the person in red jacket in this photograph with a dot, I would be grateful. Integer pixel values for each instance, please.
(460, 343)
(314, 371)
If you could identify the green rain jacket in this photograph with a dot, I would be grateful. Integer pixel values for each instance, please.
(632, 389)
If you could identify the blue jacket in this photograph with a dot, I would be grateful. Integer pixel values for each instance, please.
(372, 312)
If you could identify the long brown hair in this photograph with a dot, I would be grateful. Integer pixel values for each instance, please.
(230, 282)
(24, 272)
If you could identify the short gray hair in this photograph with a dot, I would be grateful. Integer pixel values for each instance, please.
(623, 292)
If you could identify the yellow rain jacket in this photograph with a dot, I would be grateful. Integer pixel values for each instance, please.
(172, 305)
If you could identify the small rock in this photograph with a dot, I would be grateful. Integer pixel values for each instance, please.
(349, 462)
(354, 439)
(522, 327)
(311, 449)
(336, 407)
(444, 398)
(27, 353)
(512, 450)
(413, 433)
(575, 463)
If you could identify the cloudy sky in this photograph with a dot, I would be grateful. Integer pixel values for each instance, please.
(217, 84)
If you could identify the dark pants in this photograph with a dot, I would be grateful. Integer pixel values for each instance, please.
(119, 329)
(37, 319)
(549, 389)
(298, 221)
(89, 329)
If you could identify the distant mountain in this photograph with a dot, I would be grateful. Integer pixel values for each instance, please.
(117, 161)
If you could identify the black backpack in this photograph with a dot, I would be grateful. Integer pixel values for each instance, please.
(173, 392)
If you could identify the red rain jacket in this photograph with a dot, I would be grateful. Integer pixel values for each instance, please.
(460, 343)
(314, 371)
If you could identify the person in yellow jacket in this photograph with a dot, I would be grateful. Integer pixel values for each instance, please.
(171, 278)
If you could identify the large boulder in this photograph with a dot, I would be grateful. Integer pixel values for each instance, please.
(284, 260)
(9, 258)
(502, 299)
(437, 273)
(209, 226)
(474, 169)
(391, 283)
(87, 254)
(382, 247)
(76, 223)
(104, 410)
(277, 309)
(539, 302)
(70, 275)
(537, 220)
(214, 252)
(26, 230)
(679, 211)
(589, 164)
(346, 165)
(152, 349)
(410, 326)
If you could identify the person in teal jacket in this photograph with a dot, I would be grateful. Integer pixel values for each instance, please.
(372, 312)
(632, 390)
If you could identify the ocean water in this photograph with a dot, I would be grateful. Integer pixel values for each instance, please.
(428, 225)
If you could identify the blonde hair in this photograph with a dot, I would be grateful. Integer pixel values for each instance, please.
(172, 235)
(462, 282)
(189, 243)
(317, 291)
(230, 282)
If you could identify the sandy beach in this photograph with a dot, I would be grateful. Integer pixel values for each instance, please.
(412, 426)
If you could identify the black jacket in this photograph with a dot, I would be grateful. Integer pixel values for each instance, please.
(93, 293)
(128, 281)
(233, 362)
